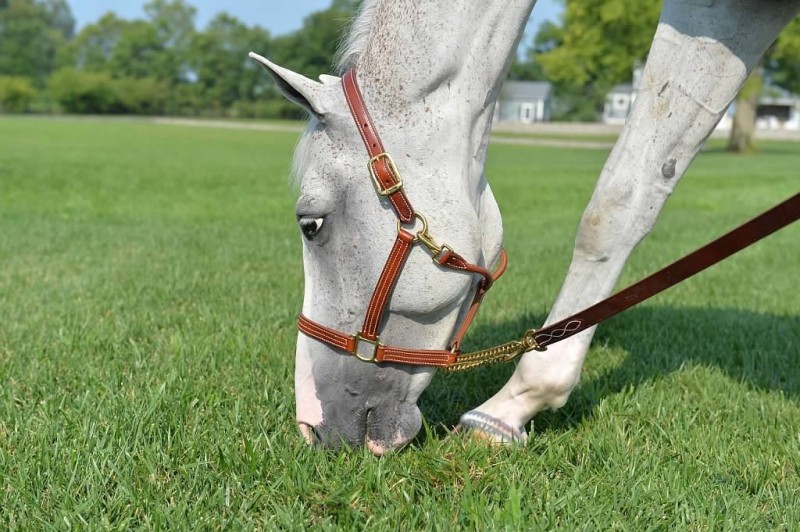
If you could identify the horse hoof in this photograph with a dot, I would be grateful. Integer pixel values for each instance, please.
(491, 429)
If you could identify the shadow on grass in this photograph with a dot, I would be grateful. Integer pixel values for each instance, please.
(761, 350)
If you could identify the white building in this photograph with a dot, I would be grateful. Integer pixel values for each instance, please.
(618, 103)
(524, 101)
(777, 108)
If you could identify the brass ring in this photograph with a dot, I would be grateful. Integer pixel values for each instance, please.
(424, 229)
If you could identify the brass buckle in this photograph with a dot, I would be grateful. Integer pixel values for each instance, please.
(374, 343)
(443, 249)
(392, 168)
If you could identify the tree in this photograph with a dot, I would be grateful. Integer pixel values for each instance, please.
(782, 65)
(16, 93)
(139, 96)
(528, 68)
(595, 47)
(93, 48)
(59, 17)
(311, 49)
(83, 92)
(154, 48)
(744, 119)
(139, 53)
(173, 27)
(573, 101)
(161, 63)
(30, 33)
(218, 59)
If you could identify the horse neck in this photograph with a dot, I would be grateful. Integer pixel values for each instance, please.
(434, 68)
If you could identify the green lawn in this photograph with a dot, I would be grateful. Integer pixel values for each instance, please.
(149, 280)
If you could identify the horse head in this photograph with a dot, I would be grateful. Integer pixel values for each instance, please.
(348, 231)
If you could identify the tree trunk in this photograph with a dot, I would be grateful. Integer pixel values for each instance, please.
(744, 119)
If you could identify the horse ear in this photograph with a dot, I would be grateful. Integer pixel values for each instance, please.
(330, 80)
(296, 87)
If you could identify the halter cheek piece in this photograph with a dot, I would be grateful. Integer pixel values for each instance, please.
(366, 344)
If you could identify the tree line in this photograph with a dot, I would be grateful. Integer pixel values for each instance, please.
(163, 64)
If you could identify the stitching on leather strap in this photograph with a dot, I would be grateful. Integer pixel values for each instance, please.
(386, 282)
(353, 111)
(369, 135)
(320, 332)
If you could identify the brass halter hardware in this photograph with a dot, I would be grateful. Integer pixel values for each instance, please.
(392, 168)
(424, 237)
(372, 353)
(496, 355)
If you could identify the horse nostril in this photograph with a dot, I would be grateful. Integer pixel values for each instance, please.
(308, 433)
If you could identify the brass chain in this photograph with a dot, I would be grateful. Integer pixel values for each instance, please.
(496, 355)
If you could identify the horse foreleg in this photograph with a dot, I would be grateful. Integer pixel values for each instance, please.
(702, 52)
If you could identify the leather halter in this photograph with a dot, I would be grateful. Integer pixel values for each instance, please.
(366, 344)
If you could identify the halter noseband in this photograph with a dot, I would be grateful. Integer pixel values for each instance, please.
(366, 343)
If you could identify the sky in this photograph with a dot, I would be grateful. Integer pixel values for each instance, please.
(277, 16)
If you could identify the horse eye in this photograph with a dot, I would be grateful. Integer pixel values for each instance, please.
(311, 226)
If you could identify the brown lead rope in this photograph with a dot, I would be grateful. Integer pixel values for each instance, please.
(759, 227)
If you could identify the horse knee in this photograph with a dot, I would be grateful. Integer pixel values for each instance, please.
(614, 226)
(601, 234)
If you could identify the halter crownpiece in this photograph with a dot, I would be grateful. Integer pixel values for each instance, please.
(366, 344)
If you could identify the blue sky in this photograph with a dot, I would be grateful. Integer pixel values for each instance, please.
(277, 16)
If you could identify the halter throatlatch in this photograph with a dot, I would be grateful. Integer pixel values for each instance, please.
(366, 344)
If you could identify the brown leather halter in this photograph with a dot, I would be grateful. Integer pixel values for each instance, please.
(366, 344)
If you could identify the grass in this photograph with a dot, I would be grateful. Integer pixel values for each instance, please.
(149, 280)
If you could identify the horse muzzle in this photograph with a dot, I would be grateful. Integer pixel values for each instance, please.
(379, 429)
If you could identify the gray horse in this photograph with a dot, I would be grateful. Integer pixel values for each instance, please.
(430, 73)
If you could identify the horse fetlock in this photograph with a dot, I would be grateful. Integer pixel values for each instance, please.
(535, 386)
(548, 389)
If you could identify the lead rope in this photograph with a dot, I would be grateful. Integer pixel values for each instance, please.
(746, 234)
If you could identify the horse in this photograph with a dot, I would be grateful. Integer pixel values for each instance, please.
(413, 113)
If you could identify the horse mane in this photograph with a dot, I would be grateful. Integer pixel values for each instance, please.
(354, 44)
(301, 157)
